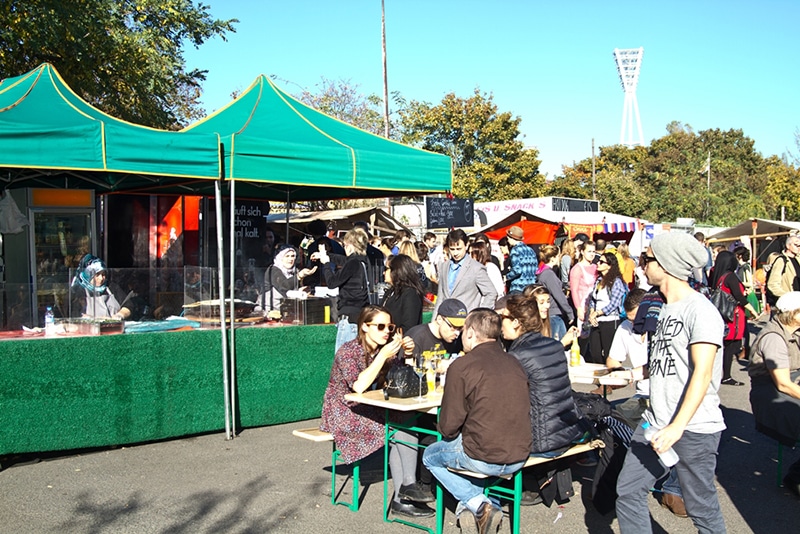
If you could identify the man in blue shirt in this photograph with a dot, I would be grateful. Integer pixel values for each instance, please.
(522, 259)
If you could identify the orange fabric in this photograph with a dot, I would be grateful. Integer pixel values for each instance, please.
(536, 233)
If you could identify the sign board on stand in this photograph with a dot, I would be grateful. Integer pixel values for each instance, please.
(449, 212)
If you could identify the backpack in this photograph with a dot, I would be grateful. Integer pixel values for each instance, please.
(771, 297)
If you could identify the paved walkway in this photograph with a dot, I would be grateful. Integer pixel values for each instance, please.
(266, 480)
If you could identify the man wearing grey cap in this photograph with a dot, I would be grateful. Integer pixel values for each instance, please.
(685, 369)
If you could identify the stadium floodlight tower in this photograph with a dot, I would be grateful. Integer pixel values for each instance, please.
(629, 60)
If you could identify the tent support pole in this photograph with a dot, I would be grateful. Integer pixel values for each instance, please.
(288, 209)
(221, 279)
(233, 306)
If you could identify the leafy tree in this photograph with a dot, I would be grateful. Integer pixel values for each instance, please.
(123, 56)
(341, 99)
(782, 190)
(669, 178)
(491, 163)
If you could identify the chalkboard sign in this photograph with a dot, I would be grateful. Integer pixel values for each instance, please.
(574, 204)
(449, 212)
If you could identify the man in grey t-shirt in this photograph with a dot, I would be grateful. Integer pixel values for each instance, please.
(685, 369)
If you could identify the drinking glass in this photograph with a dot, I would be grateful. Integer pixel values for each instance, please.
(419, 369)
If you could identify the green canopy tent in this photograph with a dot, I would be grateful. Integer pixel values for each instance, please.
(50, 137)
(277, 148)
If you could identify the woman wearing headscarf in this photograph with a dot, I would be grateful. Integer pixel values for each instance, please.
(774, 370)
(282, 276)
(91, 295)
(724, 278)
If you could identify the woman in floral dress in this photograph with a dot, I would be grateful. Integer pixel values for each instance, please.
(358, 430)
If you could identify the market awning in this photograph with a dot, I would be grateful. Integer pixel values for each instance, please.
(50, 137)
(277, 147)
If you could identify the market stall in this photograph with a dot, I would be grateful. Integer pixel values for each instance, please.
(159, 385)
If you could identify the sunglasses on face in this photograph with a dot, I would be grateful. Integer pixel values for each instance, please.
(382, 326)
(647, 259)
(602, 262)
(456, 328)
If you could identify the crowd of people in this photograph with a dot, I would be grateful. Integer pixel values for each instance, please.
(508, 395)
(503, 323)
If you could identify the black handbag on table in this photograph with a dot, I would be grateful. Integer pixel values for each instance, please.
(402, 382)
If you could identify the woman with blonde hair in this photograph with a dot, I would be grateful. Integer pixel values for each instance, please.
(349, 274)
(568, 253)
(626, 264)
(409, 248)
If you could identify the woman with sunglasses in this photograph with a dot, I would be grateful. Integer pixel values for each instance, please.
(358, 430)
(282, 276)
(405, 294)
(603, 307)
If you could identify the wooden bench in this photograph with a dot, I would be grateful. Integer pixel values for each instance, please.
(492, 483)
(317, 435)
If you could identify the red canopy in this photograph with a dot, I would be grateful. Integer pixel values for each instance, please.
(536, 232)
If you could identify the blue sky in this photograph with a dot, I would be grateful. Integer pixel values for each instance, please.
(709, 64)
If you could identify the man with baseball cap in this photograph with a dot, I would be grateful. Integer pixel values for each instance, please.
(442, 335)
(685, 370)
(522, 259)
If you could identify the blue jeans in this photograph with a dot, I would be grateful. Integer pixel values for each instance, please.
(345, 331)
(467, 491)
(671, 484)
(695, 469)
(557, 327)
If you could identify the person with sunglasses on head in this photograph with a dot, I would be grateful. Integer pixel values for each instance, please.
(603, 307)
(358, 430)
(404, 296)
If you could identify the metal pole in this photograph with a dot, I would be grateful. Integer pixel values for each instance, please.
(223, 336)
(594, 192)
(233, 306)
(385, 76)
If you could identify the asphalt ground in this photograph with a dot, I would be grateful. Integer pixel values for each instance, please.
(267, 480)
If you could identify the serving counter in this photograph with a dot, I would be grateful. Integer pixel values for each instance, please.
(90, 391)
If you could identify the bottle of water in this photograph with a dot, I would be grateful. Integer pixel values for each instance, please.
(49, 322)
(669, 457)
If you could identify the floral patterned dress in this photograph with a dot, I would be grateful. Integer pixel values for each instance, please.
(357, 429)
